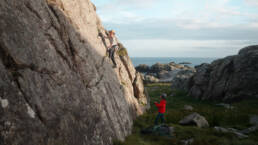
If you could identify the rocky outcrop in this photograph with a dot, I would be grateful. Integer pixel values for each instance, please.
(181, 80)
(150, 79)
(231, 78)
(56, 84)
(142, 68)
(165, 72)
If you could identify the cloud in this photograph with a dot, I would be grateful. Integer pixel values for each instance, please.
(182, 28)
(184, 48)
(254, 25)
(121, 17)
(230, 12)
(136, 3)
(176, 29)
(252, 2)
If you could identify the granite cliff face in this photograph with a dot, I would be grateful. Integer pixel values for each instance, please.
(57, 87)
(231, 78)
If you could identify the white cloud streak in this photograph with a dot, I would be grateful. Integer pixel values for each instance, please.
(184, 48)
(252, 2)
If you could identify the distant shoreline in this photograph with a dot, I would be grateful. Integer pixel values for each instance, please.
(164, 60)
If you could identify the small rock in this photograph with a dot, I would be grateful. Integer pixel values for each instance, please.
(254, 120)
(228, 106)
(240, 135)
(162, 130)
(250, 130)
(196, 119)
(188, 108)
(231, 130)
(187, 141)
(221, 129)
(171, 130)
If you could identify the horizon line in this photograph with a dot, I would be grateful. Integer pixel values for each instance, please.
(171, 57)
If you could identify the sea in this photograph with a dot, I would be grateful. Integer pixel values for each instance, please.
(164, 60)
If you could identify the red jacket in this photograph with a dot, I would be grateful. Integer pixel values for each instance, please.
(161, 106)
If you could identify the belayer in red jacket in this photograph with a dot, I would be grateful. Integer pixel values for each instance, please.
(161, 108)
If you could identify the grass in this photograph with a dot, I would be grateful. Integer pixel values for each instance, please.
(216, 116)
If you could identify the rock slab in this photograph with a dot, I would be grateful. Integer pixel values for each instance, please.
(228, 79)
(57, 87)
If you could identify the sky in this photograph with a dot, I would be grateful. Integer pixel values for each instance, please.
(181, 28)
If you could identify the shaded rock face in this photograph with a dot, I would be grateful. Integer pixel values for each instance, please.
(142, 68)
(230, 78)
(56, 84)
(181, 80)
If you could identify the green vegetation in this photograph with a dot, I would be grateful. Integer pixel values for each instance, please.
(122, 50)
(217, 116)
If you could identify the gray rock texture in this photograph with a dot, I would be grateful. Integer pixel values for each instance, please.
(194, 119)
(188, 108)
(238, 133)
(231, 78)
(181, 80)
(254, 120)
(57, 87)
(163, 73)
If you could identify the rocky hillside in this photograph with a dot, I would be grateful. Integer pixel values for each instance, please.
(57, 87)
(230, 78)
(164, 72)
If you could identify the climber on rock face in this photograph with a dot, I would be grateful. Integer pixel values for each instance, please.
(113, 47)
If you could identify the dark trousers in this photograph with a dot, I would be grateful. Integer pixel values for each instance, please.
(159, 116)
(111, 52)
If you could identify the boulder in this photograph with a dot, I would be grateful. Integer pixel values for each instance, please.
(228, 79)
(187, 141)
(163, 74)
(142, 68)
(150, 79)
(188, 108)
(167, 75)
(158, 67)
(249, 130)
(195, 119)
(238, 133)
(57, 87)
(160, 130)
(254, 120)
(181, 79)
